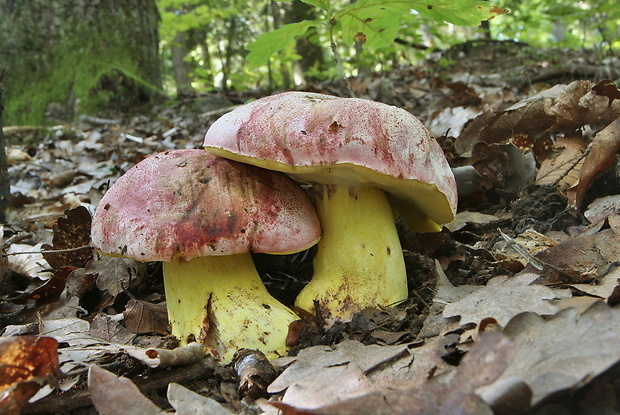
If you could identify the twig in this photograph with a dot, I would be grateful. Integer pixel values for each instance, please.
(48, 251)
(535, 262)
(572, 166)
(334, 48)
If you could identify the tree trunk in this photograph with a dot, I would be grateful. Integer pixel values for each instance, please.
(180, 68)
(312, 54)
(5, 184)
(227, 58)
(65, 56)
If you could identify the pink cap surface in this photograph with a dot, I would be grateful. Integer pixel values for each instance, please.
(326, 139)
(188, 203)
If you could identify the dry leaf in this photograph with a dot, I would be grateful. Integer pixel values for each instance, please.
(585, 257)
(114, 274)
(527, 124)
(186, 402)
(113, 395)
(486, 360)
(605, 145)
(563, 352)
(142, 317)
(25, 363)
(26, 260)
(105, 327)
(563, 169)
(183, 355)
(254, 371)
(72, 231)
(503, 301)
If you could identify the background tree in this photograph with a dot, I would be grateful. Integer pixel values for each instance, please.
(5, 186)
(63, 57)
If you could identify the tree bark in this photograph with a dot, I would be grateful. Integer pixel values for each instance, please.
(180, 68)
(68, 56)
(312, 53)
(5, 184)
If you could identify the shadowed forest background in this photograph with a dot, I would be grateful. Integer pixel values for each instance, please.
(62, 59)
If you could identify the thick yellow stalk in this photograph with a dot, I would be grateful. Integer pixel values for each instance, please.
(359, 262)
(221, 302)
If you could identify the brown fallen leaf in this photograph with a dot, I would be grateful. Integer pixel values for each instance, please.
(527, 124)
(486, 360)
(502, 299)
(110, 329)
(563, 352)
(608, 89)
(70, 232)
(25, 364)
(584, 257)
(114, 274)
(142, 317)
(605, 145)
(113, 395)
(563, 169)
(186, 402)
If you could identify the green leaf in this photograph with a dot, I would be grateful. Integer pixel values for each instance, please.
(374, 27)
(458, 12)
(271, 42)
(378, 21)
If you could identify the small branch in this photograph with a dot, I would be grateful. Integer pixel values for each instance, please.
(334, 48)
(51, 251)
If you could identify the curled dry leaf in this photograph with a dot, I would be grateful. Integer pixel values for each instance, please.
(179, 356)
(254, 371)
(605, 145)
(25, 363)
(527, 124)
(26, 260)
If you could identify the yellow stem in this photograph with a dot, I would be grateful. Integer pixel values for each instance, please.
(359, 262)
(221, 302)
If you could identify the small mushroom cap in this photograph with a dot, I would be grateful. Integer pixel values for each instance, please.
(346, 141)
(188, 203)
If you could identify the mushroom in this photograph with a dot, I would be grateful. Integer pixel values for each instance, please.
(364, 159)
(203, 216)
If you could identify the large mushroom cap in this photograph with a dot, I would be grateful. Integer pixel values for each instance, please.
(188, 203)
(347, 141)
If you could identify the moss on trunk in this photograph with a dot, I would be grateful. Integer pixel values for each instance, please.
(64, 58)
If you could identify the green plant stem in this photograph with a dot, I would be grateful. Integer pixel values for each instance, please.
(338, 59)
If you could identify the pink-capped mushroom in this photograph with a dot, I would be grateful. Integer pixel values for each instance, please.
(364, 159)
(203, 216)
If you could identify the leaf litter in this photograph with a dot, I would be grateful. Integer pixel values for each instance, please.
(492, 325)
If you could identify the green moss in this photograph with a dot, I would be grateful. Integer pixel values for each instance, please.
(86, 74)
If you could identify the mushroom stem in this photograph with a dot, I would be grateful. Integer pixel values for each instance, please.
(205, 294)
(359, 262)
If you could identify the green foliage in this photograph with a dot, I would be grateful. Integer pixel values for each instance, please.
(374, 23)
(561, 23)
(276, 40)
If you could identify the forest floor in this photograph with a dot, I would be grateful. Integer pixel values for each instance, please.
(512, 307)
